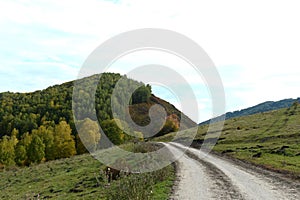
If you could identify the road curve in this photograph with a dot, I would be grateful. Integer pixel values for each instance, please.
(202, 176)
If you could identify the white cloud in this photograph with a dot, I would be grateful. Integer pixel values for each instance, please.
(255, 44)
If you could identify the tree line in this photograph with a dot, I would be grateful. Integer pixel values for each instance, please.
(44, 143)
(49, 142)
(28, 111)
(39, 126)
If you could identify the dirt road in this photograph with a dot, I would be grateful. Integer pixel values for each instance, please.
(202, 176)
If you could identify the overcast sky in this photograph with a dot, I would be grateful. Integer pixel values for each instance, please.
(255, 45)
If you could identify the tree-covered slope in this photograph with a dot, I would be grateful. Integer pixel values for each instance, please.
(28, 111)
(39, 126)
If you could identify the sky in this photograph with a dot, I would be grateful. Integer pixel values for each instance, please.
(254, 44)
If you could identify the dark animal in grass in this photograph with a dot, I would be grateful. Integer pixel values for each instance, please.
(112, 174)
(120, 166)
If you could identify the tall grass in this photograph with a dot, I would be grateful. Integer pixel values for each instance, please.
(142, 186)
(151, 185)
(83, 177)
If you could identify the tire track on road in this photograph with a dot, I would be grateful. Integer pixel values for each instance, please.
(221, 187)
(243, 182)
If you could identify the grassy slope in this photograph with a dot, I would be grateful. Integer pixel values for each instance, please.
(79, 177)
(270, 139)
(59, 179)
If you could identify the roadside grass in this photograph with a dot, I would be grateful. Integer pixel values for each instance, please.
(152, 185)
(70, 178)
(82, 177)
(270, 140)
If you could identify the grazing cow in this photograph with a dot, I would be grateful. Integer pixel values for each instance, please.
(112, 174)
(119, 166)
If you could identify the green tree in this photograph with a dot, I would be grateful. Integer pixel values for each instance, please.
(7, 151)
(26, 140)
(89, 135)
(141, 95)
(15, 133)
(20, 153)
(112, 131)
(46, 134)
(36, 150)
(64, 144)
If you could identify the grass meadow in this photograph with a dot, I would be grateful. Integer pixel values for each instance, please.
(83, 177)
(270, 139)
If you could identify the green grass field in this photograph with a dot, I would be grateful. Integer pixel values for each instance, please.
(271, 139)
(82, 177)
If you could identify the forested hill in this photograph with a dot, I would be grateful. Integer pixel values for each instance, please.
(263, 107)
(28, 111)
(39, 126)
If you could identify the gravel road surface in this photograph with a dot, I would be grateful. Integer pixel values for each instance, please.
(202, 176)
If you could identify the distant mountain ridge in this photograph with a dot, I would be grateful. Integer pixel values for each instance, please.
(262, 107)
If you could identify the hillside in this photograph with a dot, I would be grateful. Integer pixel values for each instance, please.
(27, 111)
(262, 107)
(270, 139)
(39, 126)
